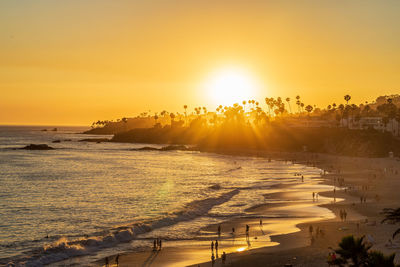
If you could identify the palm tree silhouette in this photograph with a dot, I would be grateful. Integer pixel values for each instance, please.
(353, 251)
(155, 118)
(185, 108)
(172, 115)
(392, 216)
(288, 101)
(347, 98)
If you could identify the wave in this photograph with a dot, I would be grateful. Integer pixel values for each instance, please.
(65, 248)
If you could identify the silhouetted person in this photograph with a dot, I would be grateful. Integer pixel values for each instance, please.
(212, 245)
(117, 260)
(302, 178)
(212, 259)
(159, 244)
(223, 257)
(247, 230)
(261, 223)
(154, 245)
(219, 230)
(216, 246)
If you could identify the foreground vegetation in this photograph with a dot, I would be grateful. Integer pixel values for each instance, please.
(355, 252)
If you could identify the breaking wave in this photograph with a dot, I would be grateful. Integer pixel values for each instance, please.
(64, 248)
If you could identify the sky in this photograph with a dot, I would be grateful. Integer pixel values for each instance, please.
(74, 62)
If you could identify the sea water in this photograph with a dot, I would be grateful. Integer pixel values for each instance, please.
(85, 198)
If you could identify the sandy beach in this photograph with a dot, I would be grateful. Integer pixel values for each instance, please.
(374, 178)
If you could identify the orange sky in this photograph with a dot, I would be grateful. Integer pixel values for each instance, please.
(73, 62)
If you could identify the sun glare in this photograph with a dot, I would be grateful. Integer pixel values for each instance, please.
(231, 85)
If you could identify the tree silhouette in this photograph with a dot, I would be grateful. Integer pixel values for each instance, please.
(172, 115)
(288, 101)
(185, 108)
(347, 98)
(352, 252)
(392, 216)
(309, 108)
(155, 118)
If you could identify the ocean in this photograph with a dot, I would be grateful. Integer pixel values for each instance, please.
(91, 199)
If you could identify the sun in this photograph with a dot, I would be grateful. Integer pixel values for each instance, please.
(231, 85)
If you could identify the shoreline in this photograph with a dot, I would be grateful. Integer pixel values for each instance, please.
(364, 219)
(281, 253)
(203, 252)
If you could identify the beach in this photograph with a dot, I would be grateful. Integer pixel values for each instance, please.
(374, 178)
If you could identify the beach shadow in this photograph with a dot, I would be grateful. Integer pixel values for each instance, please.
(150, 259)
(262, 231)
(248, 243)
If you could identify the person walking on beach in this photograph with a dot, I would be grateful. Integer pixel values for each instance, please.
(212, 246)
(223, 258)
(247, 230)
(159, 244)
(117, 260)
(261, 223)
(216, 246)
(233, 230)
(154, 245)
(313, 196)
(302, 178)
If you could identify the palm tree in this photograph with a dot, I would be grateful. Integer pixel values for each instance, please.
(172, 115)
(155, 118)
(392, 216)
(352, 252)
(377, 258)
(185, 108)
(288, 101)
(347, 98)
(309, 108)
(244, 104)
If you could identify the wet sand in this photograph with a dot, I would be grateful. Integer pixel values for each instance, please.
(297, 245)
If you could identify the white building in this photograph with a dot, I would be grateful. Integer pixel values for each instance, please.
(376, 123)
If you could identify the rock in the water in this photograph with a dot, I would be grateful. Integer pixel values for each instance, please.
(38, 147)
(96, 140)
(174, 147)
(145, 148)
